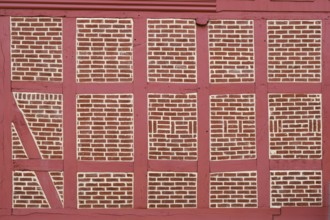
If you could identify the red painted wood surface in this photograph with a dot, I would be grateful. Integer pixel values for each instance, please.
(260, 11)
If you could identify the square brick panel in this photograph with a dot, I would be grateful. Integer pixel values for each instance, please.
(172, 50)
(231, 51)
(295, 123)
(172, 190)
(172, 126)
(233, 127)
(105, 125)
(36, 49)
(233, 190)
(298, 188)
(104, 50)
(294, 51)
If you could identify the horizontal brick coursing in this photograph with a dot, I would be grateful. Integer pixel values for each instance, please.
(172, 190)
(104, 50)
(58, 181)
(172, 126)
(36, 49)
(27, 192)
(172, 50)
(295, 123)
(231, 51)
(105, 127)
(233, 190)
(105, 190)
(294, 51)
(43, 113)
(18, 149)
(233, 131)
(296, 188)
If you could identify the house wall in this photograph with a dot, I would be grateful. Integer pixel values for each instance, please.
(181, 110)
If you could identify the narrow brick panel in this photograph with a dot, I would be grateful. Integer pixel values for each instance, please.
(105, 127)
(233, 127)
(233, 190)
(172, 126)
(27, 192)
(296, 188)
(105, 190)
(172, 50)
(172, 190)
(36, 49)
(43, 113)
(295, 122)
(58, 181)
(231, 50)
(294, 51)
(104, 50)
(18, 149)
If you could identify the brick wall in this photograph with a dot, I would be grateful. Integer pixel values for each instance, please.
(58, 181)
(36, 49)
(104, 50)
(105, 190)
(295, 126)
(105, 127)
(172, 126)
(233, 190)
(294, 51)
(232, 126)
(231, 51)
(296, 188)
(18, 151)
(27, 192)
(172, 190)
(43, 113)
(172, 50)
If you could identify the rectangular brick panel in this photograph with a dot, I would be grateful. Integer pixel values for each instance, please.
(44, 115)
(36, 49)
(105, 127)
(294, 50)
(105, 190)
(231, 51)
(295, 122)
(233, 127)
(172, 190)
(27, 192)
(233, 190)
(296, 188)
(18, 151)
(172, 50)
(104, 50)
(172, 126)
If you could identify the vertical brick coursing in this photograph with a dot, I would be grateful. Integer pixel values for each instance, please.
(172, 190)
(105, 127)
(58, 181)
(294, 51)
(295, 126)
(172, 126)
(296, 188)
(43, 113)
(36, 49)
(18, 149)
(105, 190)
(172, 50)
(104, 50)
(231, 51)
(27, 192)
(233, 129)
(233, 190)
